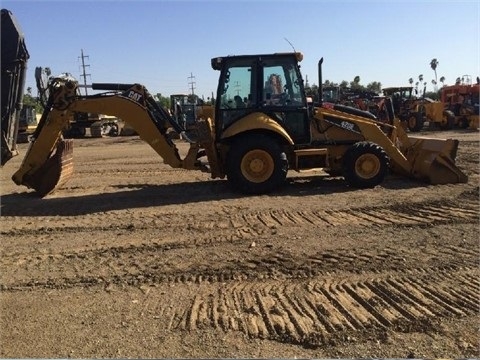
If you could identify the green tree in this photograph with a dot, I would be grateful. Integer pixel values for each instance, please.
(29, 100)
(355, 84)
(434, 95)
(312, 90)
(162, 100)
(375, 86)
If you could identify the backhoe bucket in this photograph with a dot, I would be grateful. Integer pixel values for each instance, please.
(433, 160)
(55, 172)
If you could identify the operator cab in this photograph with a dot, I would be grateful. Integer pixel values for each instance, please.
(268, 84)
(402, 98)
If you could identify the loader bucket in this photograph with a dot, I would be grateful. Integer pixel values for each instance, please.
(433, 160)
(55, 172)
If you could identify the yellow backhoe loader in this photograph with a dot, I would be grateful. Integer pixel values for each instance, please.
(260, 127)
(415, 111)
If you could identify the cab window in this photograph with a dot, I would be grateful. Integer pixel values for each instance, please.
(237, 92)
(282, 85)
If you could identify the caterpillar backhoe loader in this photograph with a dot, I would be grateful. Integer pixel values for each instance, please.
(253, 135)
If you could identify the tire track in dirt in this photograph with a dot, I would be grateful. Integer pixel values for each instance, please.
(149, 264)
(414, 214)
(314, 309)
(133, 171)
(396, 288)
(147, 258)
(313, 312)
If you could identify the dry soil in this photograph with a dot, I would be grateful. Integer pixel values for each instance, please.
(134, 259)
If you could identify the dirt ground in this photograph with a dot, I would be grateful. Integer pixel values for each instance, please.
(134, 259)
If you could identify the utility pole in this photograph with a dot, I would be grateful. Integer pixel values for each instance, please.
(237, 87)
(191, 83)
(84, 75)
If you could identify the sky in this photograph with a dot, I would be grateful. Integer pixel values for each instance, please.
(168, 45)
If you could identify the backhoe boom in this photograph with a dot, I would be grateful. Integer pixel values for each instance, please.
(48, 162)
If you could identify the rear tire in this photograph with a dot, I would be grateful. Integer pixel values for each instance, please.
(448, 120)
(256, 164)
(463, 123)
(415, 122)
(365, 165)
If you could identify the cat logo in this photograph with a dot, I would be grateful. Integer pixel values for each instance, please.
(134, 96)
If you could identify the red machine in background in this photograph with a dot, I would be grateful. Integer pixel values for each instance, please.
(463, 100)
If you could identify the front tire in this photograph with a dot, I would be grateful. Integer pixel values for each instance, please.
(256, 164)
(365, 165)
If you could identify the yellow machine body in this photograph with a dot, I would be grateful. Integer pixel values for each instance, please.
(254, 150)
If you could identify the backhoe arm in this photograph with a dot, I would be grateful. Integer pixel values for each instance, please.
(48, 162)
(132, 108)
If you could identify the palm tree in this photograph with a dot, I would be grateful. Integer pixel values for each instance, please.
(442, 80)
(433, 65)
(420, 77)
(410, 81)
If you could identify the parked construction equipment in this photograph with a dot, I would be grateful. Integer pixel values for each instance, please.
(359, 98)
(253, 143)
(255, 133)
(456, 109)
(14, 65)
(27, 124)
(463, 101)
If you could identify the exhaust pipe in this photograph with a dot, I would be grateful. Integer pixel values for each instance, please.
(320, 82)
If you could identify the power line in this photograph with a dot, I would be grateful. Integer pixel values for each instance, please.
(237, 87)
(192, 83)
(84, 75)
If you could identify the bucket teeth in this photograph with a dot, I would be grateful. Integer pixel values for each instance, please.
(55, 172)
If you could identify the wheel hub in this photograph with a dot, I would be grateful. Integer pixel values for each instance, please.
(367, 166)
(257, 166)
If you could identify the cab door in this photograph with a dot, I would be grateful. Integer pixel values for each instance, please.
(283, 96)
(237, 92)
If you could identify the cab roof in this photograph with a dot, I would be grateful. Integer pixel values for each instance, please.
(217, 62)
